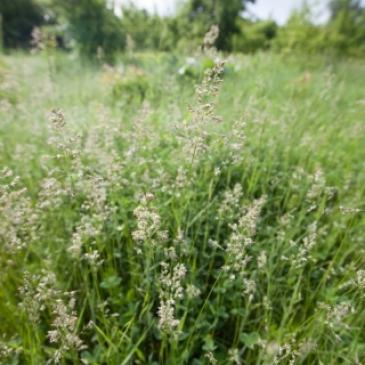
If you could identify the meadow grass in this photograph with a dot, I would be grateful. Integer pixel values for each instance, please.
(172, 211)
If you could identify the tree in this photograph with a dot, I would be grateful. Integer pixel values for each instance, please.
(19, 17)
(146, 30)
(347, 25)
(224, 13)
(93, 26)
(350, 6)
(254, 35)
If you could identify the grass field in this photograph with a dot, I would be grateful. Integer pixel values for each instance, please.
(153, 215)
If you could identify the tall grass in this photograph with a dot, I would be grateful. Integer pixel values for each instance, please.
(202, 217)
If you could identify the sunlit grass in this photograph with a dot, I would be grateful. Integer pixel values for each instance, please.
(147, 221)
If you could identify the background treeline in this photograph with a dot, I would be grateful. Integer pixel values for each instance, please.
(92, 27)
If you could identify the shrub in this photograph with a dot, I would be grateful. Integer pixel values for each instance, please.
(129, 85)
(18, 18)
(254, 36)
(94, 27)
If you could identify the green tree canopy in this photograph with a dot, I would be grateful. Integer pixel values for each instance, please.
(93, 26)
(224, 13)
(19, 17)
(347, 25)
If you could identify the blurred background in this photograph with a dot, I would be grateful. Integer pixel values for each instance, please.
(102, 28)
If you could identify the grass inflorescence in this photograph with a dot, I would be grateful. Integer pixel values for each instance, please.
(214, 217)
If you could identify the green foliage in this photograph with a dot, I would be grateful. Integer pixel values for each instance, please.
(197, 16)
(254, 36)
(346, 28)
(147, 31)
(300, 34)
(18, 18)
(344, 34)
(94, 27)
(195, 68)
(253, 185)
(97, 32)
(131, 85)
(9, 91)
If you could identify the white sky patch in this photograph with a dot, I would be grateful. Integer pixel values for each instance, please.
(278, 10)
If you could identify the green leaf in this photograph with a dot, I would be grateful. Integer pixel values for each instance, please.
(110, 282)
(209, 344)
(250, 339)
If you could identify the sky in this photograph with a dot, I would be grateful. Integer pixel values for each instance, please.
(279, 10)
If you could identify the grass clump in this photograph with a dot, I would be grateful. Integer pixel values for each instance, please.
(217, 224)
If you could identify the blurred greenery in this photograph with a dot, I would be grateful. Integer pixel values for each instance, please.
(170, 203)
(295, 126)
(18, 18)
(93, 28)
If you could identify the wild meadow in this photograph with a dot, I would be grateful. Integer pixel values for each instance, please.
(172, 210)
